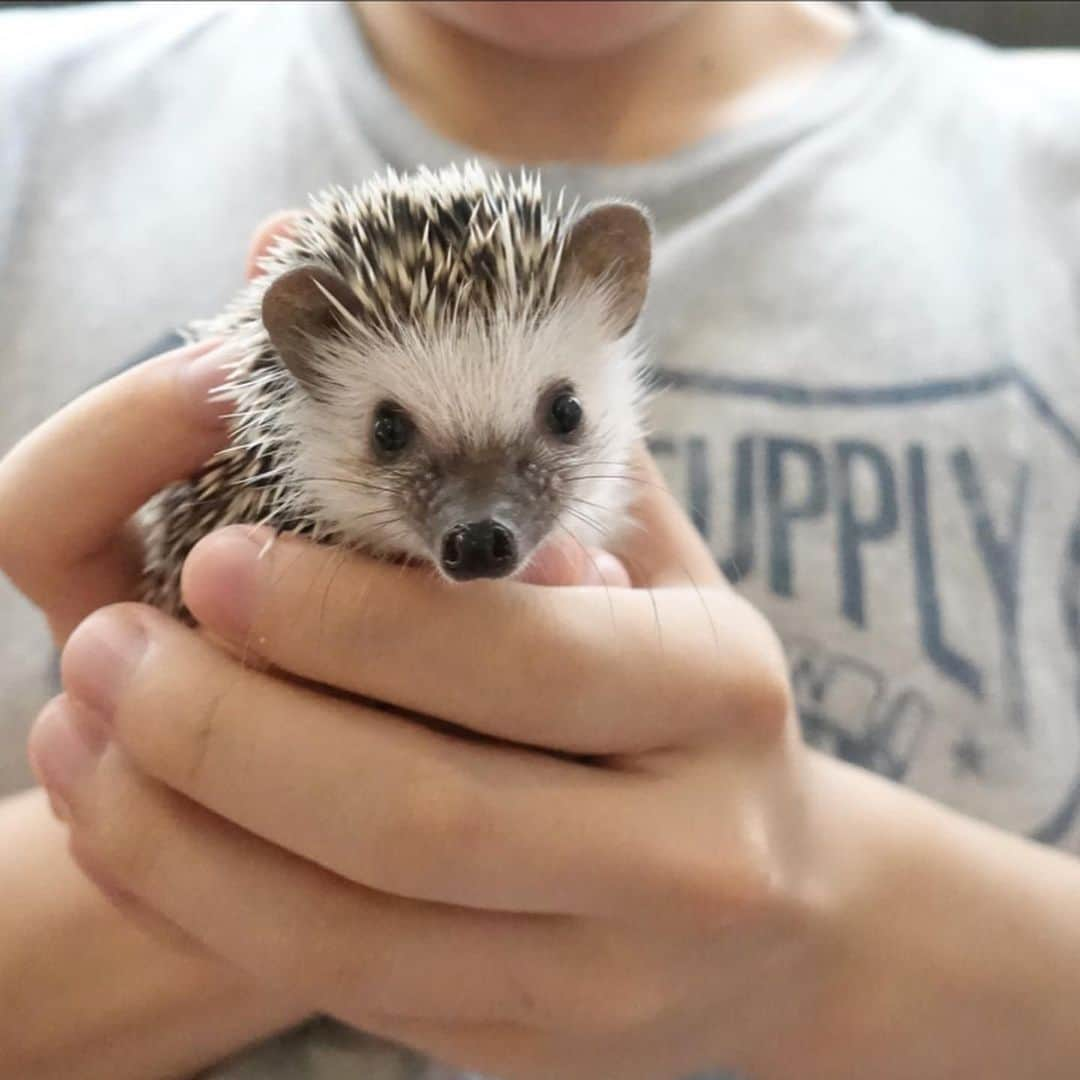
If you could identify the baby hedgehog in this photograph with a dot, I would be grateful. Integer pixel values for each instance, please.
(440, 367)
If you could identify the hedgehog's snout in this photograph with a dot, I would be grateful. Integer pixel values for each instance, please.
(479, 549)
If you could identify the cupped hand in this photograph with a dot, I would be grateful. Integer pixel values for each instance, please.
(594, 861)
(69, 489)
(74, 483)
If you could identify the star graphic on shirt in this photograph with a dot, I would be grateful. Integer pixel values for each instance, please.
(969, 756)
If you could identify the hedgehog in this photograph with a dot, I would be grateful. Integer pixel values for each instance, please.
(437, 367)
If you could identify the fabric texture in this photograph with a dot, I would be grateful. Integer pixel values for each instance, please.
(864, 319)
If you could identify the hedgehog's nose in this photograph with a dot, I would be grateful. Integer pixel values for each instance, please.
(480, 549)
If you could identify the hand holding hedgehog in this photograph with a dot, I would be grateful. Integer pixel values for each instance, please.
(700, 886)
(499, 902)
(496, 904)
(536, 912)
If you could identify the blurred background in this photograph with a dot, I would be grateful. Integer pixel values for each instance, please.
(1018, 23)
(1023, 24)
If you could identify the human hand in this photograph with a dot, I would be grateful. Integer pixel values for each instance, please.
(167, 1007)
(74, 483)
(612, 879)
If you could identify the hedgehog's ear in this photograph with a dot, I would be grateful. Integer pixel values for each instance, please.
(301, 308)
(610, 245)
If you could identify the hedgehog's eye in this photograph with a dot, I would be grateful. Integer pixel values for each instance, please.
(565, 413)
(392, 430)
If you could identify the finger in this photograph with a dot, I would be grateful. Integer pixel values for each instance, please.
(267, 232)
(73, 484)
(583, 670)
(566, 562)
(376, 798)
(133, 909)
(662, 548)
(358, 953)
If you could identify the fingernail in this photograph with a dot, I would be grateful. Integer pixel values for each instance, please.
(100, 657)
(557, 562)
(204, 382)
(220, 584)
(66, 741)
(603, 568)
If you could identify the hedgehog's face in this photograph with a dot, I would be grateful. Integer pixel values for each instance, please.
(477, 494)
(472, 446)
(489, 439)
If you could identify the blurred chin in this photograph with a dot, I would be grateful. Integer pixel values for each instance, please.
(558, 29)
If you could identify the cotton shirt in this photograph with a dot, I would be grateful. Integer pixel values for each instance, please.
(864, 317)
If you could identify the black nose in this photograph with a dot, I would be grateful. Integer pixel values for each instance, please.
(479, 549)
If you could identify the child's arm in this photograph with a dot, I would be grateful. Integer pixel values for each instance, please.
(88, 994)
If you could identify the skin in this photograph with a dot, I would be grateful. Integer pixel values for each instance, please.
(700, 889)
(599, 82)
(699, 882)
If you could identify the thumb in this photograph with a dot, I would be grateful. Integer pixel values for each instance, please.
(269, 230)
(564, 561)
(662, 548)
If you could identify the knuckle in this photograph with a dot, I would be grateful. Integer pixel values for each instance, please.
(714, 894)
(768, 705)
(771, 668)
(201, 735)
(748, 687)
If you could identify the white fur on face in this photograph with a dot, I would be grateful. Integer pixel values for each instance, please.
(468, 388)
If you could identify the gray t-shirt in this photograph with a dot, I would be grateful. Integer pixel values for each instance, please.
(865, 313)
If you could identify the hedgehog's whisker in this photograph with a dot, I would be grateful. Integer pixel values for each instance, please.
(336, 565)
(608, 475)
(389, 541)
(587, 502)
(682, 566)
(343, 554)
(656, 619)
(353, 481)
(380, 511)
(578, 478)
(394, 519)
(587, 554)
(584, 518)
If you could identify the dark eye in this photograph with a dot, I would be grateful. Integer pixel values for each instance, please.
(565, 414)
(392, 430)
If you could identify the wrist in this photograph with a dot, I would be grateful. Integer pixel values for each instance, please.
(74, 973)
(954, 947)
